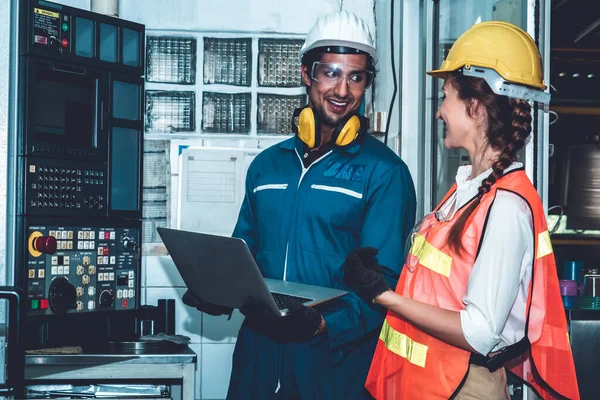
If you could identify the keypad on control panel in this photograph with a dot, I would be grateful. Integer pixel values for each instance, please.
(66, 188)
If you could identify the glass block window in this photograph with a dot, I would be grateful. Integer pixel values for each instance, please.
(155, 189)
(278, 62)
(171, 60)
(170, 111)
(275, 112)
(226, 113)
(227, 61)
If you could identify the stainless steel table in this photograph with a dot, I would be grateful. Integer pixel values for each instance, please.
(132, 368)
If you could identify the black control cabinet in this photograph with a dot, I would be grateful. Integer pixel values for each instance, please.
(80, 141)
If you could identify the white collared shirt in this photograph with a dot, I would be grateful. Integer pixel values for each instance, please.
(496, 295)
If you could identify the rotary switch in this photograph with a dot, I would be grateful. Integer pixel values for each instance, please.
(106, 298)
(129, 243)
(61, 295)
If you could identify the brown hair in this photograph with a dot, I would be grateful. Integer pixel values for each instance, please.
(508, 126)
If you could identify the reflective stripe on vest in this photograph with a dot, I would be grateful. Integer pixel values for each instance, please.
(402, 345)
(430, 257)
(544, 246)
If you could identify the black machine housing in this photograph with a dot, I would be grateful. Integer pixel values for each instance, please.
(80, 145)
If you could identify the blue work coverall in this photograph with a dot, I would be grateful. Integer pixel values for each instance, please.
(300, 224)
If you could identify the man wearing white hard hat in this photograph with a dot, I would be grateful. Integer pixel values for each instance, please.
(310, 202)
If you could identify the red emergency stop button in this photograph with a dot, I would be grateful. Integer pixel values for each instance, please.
(43, 304)
(45, 244)
(64, 42)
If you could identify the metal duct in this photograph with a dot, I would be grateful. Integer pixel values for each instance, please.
(107, 7)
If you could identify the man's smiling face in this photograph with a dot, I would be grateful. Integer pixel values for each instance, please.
(333, 102)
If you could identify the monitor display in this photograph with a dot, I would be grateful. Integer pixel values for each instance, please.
(65, 108)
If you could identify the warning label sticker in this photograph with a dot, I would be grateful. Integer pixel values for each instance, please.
(45, 25)
(46, 13)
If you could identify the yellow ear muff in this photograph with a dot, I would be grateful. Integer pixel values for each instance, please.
(349, 131)
(306, 124)
(307, 127)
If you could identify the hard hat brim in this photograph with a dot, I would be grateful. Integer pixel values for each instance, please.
(442, 72)
(343, 43)
(499, 84)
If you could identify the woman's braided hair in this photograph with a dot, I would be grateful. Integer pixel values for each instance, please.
(508, 127)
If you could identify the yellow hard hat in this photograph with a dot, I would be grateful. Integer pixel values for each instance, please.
(497, 45)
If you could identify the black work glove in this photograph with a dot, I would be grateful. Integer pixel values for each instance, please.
(364, 275)
(191, 300)
(299, 325)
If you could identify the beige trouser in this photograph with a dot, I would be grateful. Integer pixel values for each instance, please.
(481, 384)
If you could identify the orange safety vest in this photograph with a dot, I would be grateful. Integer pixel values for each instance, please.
(411, 364)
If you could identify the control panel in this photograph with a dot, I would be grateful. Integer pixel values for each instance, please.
(78, 146)
(52, 29)
(82, 269)
(59, 187)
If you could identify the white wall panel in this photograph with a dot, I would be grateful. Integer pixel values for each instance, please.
(216, 369)
(161, 272)
(221, 329)
(237, 15)
(188, 320)
(5, 13)
(197, 348)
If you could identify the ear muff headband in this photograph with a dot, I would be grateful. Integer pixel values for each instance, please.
(308, 127)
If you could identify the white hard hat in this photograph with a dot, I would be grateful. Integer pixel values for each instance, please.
(340, 29)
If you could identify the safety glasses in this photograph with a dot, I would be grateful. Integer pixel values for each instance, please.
(331, 74)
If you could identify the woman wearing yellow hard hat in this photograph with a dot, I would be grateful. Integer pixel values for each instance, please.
(478, 296)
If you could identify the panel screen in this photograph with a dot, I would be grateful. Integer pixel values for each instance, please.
(65, 108)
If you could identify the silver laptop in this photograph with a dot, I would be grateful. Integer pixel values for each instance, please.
(221, 270)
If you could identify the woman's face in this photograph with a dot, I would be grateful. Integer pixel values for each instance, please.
(461, 129)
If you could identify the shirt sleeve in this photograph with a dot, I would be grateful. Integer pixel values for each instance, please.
(245, 228)
(388, 218)
(504, 257)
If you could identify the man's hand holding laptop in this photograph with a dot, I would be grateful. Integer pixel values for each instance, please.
(191, 300)
(300, 324)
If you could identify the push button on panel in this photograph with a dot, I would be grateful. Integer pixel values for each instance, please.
(45, 244)
(40, 244)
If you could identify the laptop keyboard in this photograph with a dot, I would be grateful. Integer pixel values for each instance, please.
(282, 300)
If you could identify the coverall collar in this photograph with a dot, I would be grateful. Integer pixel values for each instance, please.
(296, 144)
